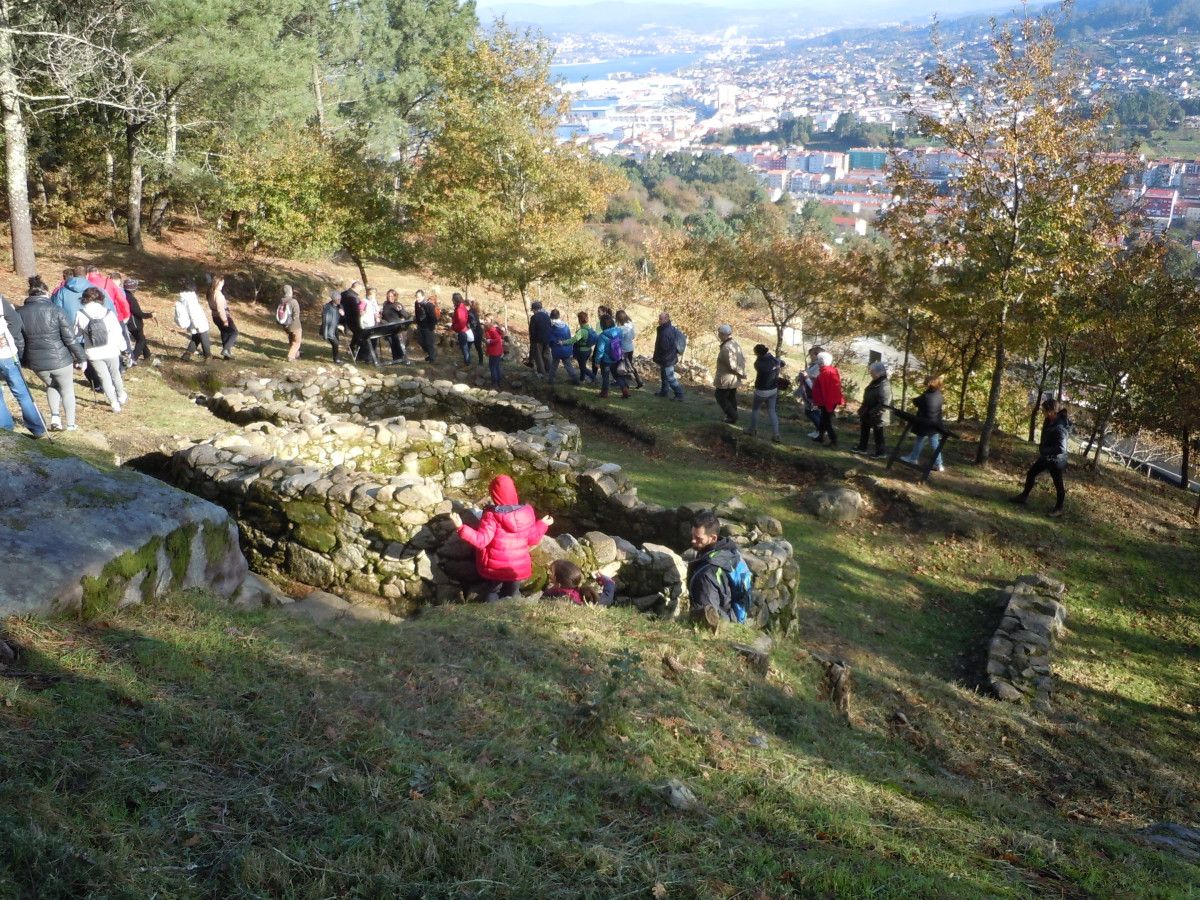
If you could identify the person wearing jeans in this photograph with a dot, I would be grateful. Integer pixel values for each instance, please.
(460, 324)
(494, 339)
(766, 390)
(928, 427)
(666, 355)
(12, 346)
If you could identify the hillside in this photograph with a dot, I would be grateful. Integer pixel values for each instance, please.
(188, 749)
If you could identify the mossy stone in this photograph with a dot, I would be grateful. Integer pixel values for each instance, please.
(304, 512)
(179, 552)
(314, 538)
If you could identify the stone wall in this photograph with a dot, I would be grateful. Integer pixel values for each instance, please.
(1019, 654)
(346, 501)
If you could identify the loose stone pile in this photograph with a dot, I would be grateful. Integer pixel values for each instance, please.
(1019, 652)
(326, 494)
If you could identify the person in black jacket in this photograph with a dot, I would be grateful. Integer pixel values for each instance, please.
(352, 316)
(137, 322)
(766, 390)
(1052, 454)
(52, 351)
(390, 313)
(928, 426)
(666, 356)
(876, 398)
(539, 339)
(426, 316)
(709, 584)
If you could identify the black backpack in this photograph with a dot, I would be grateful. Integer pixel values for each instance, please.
(95, 334)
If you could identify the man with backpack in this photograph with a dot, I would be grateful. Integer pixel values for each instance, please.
(584, 342)
(669, 344)
(718, 580)
(425, 314)
(561, 348)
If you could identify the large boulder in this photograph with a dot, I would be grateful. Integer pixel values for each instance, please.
(834, 503)
(80, 537)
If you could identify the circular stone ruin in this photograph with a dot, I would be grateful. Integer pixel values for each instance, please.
(343, 481)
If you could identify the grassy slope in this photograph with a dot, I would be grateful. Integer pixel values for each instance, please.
(191, 749)
(190, 746)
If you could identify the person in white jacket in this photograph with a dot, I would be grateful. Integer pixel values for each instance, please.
(103, 355)
(191, 317)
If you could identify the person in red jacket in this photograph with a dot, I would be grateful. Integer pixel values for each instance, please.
(494, 341)
(460, 324)
(827, 396)
(507, 529)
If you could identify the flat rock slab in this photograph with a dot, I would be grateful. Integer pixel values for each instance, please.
(79, 537)
(323, 607)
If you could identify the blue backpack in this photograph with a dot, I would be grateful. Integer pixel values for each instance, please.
(741, 589)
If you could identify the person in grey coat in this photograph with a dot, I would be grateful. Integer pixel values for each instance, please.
(872, 415)
(52, 350)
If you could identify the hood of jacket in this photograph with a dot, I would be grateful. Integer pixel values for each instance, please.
(724, 554)
(77, 284)
(504, 492)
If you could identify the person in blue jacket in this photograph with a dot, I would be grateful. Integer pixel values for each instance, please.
(67, 296)
(562, 350)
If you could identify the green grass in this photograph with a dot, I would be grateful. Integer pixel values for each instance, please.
(190, 750)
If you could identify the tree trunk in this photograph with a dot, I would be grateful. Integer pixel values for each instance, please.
(1043, 374)
(1185, 464)
(362, 269)
(16, 153)
(525, 303)
(967, 371)
(904, 369)
(133, 212)
(1102, 426)
(162, 199)
(993, 404)
(319, 92)
(1100, 421)
(1062, 369)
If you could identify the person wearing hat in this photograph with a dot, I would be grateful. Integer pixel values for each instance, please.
(731, 372)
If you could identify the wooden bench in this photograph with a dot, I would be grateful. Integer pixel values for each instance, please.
(910, 420)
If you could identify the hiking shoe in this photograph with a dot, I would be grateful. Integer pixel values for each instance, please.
(712, 619)
(814, 434)
(56, 424)
(1019, 500)
(861, 451)
(1055, 513)
(72, 428)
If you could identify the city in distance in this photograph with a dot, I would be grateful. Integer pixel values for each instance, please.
(755, 17)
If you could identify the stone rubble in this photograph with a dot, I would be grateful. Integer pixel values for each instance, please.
(1019, 653)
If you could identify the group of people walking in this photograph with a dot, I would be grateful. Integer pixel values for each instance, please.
(820, 390)
(605, 354)
(91, 324)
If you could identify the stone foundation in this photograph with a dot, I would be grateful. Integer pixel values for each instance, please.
(1019, 654)
(345, 500)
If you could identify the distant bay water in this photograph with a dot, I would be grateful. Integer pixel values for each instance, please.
(663, 64)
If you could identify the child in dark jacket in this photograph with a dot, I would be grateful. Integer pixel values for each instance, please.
(566, 582)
